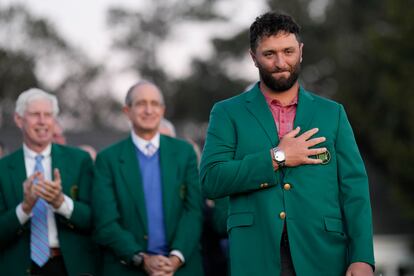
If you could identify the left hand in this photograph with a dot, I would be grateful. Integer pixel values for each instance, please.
(175, 263)
(157, 265)
(359, 269)
(51, 191)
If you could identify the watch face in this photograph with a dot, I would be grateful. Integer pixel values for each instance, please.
(279, 156)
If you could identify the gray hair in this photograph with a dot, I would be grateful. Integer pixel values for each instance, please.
(32, 94)
(128, 97)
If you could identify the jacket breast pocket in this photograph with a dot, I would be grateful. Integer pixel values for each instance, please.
(239, 220)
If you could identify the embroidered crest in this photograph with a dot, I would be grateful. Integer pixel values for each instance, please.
(325, 157)
(74, 191)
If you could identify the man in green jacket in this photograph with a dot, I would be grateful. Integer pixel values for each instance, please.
(147, 199)
(299, 199)
(45, 190)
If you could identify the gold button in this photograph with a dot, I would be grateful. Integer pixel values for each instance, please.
(287, 186)
(282, 215)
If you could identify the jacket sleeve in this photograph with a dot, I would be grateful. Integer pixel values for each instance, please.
(221, 174)
(354, 193)
(189, 228)
(11, 228)
(108, 231)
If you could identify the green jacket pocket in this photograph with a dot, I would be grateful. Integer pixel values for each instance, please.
(239, 220)
(334, 225)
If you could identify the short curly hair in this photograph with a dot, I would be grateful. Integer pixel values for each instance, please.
(271, 23)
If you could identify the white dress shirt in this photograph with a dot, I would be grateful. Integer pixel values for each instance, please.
(141, 144)
(65, 209)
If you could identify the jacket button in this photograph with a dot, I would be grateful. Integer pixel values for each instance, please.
(282, 215)
(287, 186)
(145, 237)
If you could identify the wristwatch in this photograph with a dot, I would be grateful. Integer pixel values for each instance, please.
(279, 156)
(137, 260)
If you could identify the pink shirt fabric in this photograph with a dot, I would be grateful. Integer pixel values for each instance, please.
(284, 116)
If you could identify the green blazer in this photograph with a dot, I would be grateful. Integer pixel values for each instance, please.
(327, 207)
(119, 205)
(78, 251)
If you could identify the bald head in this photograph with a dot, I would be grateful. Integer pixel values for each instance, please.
(144, 107)
(139, 87)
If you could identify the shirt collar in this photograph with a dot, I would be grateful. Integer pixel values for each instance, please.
(271, 101)
(32, 154)
(140, 143)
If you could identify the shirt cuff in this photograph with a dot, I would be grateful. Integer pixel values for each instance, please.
(178, 254)
(21, 215)
(66, 208)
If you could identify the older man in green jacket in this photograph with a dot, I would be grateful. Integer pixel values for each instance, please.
(45, 192)
(147, 200)
(299, 199)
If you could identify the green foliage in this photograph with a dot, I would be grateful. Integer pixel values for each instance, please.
(31, 52)
(375, 84)
(16, 75)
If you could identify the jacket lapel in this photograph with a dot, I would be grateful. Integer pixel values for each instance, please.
(60, 162)
(18, 173)
(257, 106)
(168, 163)
(304, 115)
(128, 163)
(305, 110)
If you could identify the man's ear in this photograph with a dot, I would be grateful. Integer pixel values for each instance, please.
(163, 111)
(301, 51)
(125, 110)
(253, 57)
(18, 120)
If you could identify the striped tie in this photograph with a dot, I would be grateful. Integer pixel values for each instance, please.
(151, 149)
(39, 241)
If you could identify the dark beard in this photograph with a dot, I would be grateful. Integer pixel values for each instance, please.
(282, 84)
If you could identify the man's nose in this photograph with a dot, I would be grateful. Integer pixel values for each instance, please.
(149, 108)
(279, 61)
(42, 118)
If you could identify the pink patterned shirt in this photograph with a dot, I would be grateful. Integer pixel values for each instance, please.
(284, 116)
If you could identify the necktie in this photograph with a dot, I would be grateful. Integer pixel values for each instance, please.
(39, 240)
(150, 149)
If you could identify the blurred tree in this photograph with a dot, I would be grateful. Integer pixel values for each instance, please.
(374, 60)
(34, 54)
(16, 74)
(140, 33)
